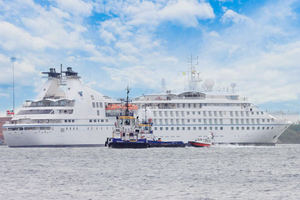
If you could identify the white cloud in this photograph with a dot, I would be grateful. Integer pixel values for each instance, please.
(232, 16)
(257, 54)
(75, 7)
(186, 13)
(13, 37)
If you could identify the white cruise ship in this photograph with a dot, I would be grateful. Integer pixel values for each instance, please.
(227, 118)
(67, 113)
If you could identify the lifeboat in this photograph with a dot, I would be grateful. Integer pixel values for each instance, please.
(121, 107)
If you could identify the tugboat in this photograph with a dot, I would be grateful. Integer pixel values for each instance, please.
(128, 132)
(201, 142)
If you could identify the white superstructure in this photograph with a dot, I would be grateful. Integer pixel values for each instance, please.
(65, 113)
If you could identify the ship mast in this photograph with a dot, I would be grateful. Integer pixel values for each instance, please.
(127, 101)
(194, 76)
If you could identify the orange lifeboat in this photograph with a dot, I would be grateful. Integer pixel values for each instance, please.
(121, 107)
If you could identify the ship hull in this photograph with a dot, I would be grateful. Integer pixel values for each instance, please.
(83, 138)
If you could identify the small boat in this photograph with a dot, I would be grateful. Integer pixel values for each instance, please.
(201, 142)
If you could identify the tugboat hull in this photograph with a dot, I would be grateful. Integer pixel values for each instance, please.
(120, 144)
(166, 144)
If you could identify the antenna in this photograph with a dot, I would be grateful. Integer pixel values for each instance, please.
(13, 60)
(127, 100)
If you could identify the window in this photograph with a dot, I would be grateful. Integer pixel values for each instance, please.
(231, 121)
(182, 121)
(166, 121)
(215, 113)
(97, 104)
(167, 128)
(98, 113)
(204, 121)
(183, 128)
(221, 128)
(210, 128)
(166, 114)
(172, 128)
(172, 121)
(199, 120)
(242, 113)
(231, 128)
(194, 128)
(177, 128)
(177, 114)
(199, 113)
(237, 128)
(248, 128)
(177, 121)
(216, 122)
(155, 128)
(204, 113)
(199, 128)
(93, 104)
(231, 114)
(236, 113)
(161, 128)
(171, 113)
(193, 112)
(221, 121)
(205, 128)
(187, 113)
(216, 128)
(209, 113)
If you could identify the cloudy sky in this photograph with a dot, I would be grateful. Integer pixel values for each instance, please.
(254, 43)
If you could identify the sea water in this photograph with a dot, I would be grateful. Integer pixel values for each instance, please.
(222, 172)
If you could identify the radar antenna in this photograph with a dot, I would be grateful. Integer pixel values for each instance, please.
(194, 77)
